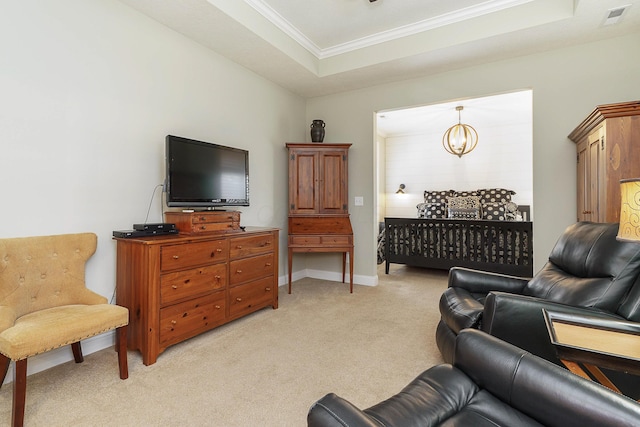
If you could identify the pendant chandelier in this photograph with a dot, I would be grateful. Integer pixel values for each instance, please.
(460, 139)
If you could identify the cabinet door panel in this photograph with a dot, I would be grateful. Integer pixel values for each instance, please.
(333, 188)
(303, 181)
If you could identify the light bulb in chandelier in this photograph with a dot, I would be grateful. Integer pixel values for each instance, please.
(460, 139)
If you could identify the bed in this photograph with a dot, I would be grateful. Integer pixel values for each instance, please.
(497, 240)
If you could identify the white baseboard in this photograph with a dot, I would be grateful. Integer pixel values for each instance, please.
(328, 275)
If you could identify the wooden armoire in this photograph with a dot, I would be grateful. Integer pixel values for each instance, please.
(608, 150)
(319, 202)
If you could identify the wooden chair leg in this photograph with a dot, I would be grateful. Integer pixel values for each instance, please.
(121, 347)
(4, 367)
(77, 352)
(19, 393)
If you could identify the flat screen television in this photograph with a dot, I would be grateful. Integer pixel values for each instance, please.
(205, 175)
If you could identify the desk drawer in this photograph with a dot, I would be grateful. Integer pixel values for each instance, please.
(305, 240)
(336, 240)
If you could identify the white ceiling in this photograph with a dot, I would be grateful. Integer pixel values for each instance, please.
(314, 48)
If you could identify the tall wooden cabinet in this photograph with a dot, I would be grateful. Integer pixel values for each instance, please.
(608, 150)
(319, 202)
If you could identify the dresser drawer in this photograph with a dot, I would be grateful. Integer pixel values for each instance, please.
(336, 240)
(173, 257)
(248, 269)
(184, 320)
(209, 227)
(305, 240)
(212, 217)
(250, 245)
(189, 283)
(251, 296)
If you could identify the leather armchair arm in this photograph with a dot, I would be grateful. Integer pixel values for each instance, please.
(518, 319)
(483, 282)
(332, 410)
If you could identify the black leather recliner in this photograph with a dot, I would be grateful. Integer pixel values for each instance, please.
(588, 272)
(491, 383)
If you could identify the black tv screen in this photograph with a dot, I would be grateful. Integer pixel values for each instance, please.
(202, 174)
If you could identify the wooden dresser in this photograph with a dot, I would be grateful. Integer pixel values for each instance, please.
(176, 287)
(318, 202)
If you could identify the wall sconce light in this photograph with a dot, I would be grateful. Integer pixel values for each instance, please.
(460, 139)
(629, 230)
(400, 189)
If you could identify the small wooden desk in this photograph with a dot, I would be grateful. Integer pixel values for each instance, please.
(595, 343)
(322, 234)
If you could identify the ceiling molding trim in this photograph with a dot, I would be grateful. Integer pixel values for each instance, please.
(422, 26)
(471, 12)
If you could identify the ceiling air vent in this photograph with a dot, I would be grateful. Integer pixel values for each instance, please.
(615, 15)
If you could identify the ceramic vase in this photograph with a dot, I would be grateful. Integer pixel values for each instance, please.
(317, 131)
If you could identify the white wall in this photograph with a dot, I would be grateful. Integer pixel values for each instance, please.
(567, 84)
(89, 89)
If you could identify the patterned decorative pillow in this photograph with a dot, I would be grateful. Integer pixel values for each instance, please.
(437, 196)
(431, 210)
(494, 211)
(465, 193)
(495, 195)
(464, 207)
(499, 211)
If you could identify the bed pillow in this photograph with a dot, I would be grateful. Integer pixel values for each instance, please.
(431, 210)
(464, 207)
(437, 196)
(495, 195)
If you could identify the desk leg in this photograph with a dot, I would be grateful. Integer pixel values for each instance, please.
(344, 264)
(351, 270)
(290, 265)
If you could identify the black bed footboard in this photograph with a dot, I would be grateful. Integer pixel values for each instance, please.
(498, 246)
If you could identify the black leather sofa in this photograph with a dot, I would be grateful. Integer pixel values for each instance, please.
(588, 273)
(491, 383)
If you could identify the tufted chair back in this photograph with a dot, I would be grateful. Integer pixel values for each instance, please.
(588, 267)
(41, 272)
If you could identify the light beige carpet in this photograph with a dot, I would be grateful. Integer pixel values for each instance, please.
(263, 370)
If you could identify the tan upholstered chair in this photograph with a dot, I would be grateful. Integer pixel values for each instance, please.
(44, 304)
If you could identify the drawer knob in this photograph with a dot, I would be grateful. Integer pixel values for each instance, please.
(268, 264)
(203, 227)
(239, 246)
(173, 322)
(174, 286)
(239, 271)
(239, 299)
(268, 289)
(217, 277)
(218, 250)
(176, 256)
(217, 307)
